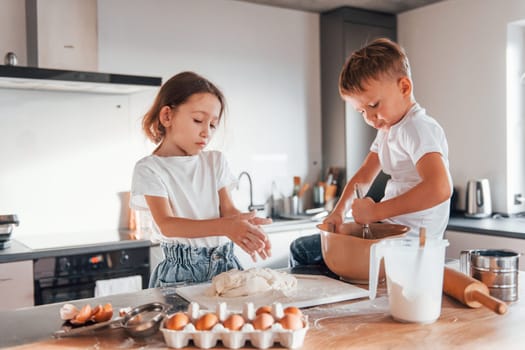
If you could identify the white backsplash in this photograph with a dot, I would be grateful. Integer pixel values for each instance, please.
(66, 157)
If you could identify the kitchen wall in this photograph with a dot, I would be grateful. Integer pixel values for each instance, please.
(459, 52)
(67, 157)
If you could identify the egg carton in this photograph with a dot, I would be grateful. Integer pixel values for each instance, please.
(261, 339)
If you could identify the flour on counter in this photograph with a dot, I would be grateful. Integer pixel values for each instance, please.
(235, 283)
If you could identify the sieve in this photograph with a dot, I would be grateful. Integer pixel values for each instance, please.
(141, 321)
(497, 268)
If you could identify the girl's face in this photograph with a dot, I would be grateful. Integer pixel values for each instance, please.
(189, 126)
(384, 102)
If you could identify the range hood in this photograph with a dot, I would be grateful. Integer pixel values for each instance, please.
(19, 77)
(56, 61)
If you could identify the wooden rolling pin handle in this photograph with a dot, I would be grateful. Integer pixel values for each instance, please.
(490, 302)
(470, 291)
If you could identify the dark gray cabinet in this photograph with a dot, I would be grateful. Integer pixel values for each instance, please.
(346, 138)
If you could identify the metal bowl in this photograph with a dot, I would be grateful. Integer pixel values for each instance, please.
(143, 321)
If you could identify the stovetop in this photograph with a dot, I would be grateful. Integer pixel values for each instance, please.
(42, 242)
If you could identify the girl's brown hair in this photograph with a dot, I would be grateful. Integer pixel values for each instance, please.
(174, 92)
(382, 57)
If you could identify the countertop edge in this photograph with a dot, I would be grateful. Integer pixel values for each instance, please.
(21, 254)
(500, 227)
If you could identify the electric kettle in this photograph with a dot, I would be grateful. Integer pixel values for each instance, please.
(479, 201)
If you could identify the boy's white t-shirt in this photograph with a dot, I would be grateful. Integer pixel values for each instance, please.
(399, 149)
(191, 184)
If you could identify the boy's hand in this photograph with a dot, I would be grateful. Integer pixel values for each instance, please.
(334, 218)
(363, 210)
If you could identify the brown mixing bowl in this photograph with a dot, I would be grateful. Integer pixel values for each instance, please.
(347, 254)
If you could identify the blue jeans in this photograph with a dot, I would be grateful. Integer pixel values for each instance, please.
(306, 251)
(185, 264)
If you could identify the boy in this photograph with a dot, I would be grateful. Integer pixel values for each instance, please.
(410, 146)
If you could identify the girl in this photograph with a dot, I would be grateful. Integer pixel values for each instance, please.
(186, 188)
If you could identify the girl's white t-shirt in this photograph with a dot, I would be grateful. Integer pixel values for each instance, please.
(399, 149)
(191, 184)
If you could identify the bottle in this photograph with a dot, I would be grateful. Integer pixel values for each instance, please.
(296, 185)
(319, 195)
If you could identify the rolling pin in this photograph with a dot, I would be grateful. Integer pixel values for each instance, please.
(470, 291)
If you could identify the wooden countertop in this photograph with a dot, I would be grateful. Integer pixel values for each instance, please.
(361, 324)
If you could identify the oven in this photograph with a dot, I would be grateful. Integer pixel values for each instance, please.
(71, 277)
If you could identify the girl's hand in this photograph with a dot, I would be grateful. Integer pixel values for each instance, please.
(363, 210)
(260, 221)
(247, 235)
(266, 251)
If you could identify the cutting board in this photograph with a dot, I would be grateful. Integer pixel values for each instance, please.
(311, 290)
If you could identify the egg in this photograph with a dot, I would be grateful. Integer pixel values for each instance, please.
(177, 321)
(264, 309)
(83, 315)
(206, 322)
(292, 310)
(263, 321)
(234, 322)
(68, 311)
(291, 321)
(102, 313)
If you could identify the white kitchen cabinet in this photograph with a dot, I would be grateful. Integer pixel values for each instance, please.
(16, 285)
(465, 240)
(280, 239)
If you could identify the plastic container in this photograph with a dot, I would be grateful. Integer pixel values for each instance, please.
(414, 277)
(261, 339)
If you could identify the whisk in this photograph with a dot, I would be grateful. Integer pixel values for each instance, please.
(367, 233)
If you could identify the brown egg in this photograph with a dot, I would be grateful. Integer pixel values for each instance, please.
(177, 321)
(263, 321)
(291, 321)
(102, 313)
(234, 322)
(206, 322)
(84, 315)
(264, 309)
(292, 310)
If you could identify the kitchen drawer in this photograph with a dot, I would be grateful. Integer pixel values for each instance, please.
(16, 285)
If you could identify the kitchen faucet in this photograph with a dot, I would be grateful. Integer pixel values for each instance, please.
(251, 206)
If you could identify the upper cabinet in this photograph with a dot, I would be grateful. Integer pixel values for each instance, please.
(61, 51)
(346, 137)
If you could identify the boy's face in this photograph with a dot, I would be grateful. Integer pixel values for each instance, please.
(384, 102)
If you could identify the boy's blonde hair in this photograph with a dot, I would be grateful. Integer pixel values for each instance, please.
(382, 57)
